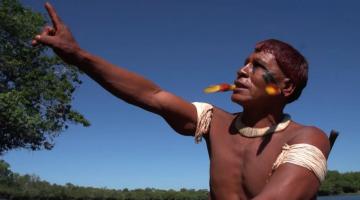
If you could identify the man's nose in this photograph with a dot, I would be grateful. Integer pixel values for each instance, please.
(244, 71)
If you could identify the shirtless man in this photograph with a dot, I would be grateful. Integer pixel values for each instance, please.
(257, 154)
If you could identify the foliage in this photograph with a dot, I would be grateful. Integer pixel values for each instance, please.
(36, 87)
(337, 183)
(14, 186)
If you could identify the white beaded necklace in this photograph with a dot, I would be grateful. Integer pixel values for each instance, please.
(259, 132)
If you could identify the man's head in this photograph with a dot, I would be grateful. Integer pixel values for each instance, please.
(290, 61)
(273, 63)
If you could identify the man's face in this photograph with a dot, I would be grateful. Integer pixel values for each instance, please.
(253, 78)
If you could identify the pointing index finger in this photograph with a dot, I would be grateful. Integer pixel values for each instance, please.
(53, 15)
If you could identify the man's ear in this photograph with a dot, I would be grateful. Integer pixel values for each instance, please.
(288, 87)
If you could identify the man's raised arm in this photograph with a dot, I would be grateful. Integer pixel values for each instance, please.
(131, 87)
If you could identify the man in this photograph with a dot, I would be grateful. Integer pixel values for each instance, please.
(257, 154)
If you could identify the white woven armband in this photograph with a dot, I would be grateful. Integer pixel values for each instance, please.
(204, 114)
(304, 155)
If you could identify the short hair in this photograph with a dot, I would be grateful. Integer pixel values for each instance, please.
(290, 61)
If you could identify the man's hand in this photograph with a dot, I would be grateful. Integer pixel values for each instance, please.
(58, 37)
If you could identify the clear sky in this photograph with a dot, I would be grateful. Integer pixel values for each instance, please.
(185, 46)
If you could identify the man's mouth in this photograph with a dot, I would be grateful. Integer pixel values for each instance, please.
(240, 85)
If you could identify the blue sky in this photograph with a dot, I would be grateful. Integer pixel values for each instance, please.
(185, 46)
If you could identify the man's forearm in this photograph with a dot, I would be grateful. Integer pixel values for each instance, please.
(122, 83)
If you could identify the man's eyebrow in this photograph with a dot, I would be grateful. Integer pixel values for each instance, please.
(261, 63)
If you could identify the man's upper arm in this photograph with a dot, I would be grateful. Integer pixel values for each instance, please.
(291, 181)
(179, 114)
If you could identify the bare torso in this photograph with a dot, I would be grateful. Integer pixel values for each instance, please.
(240, 166)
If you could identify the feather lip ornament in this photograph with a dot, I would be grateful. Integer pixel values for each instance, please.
(271, 88)
(222, 87)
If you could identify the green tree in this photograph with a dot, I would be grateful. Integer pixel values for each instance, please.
(5, 172)
(36, 87)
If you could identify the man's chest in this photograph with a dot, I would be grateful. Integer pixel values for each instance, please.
(242, 165)
(238, 164)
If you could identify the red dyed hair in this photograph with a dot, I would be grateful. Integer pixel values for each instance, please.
(290, 61)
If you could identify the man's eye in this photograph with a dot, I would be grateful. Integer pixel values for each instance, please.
(255, 66)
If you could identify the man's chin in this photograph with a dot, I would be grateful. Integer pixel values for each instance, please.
(239, 99)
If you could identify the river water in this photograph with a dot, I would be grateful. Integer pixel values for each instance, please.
(345, 197)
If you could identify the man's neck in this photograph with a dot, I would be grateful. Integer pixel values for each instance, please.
(259, 118)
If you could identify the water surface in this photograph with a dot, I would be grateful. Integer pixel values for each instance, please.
(341, 197)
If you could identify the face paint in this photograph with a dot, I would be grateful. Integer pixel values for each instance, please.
(272, 87)
(223, 87)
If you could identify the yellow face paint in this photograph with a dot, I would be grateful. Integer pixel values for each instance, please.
(272, 89)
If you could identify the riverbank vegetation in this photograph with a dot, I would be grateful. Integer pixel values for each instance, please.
(340, 183)
(30, 187)
(14, 186)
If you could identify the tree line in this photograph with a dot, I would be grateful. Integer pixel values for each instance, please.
(340, 183)
(14, 186)
(25, 187)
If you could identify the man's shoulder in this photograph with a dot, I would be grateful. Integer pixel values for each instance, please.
(215, 108)
(220, 111)
(306, 133)
(311, 135)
